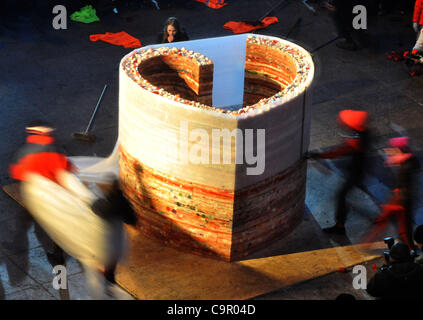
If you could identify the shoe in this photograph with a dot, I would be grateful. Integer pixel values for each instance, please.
(347, 45)
(110, 277)
(335, 230)
(55, 258)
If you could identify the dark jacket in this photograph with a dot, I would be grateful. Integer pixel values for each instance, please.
(115, 206)
(355, 148)
(181, 36)
(399, 281)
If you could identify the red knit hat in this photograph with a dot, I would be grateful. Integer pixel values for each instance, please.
(399, 142)
(354, 119)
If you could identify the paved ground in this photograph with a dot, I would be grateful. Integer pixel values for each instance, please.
(58, 75)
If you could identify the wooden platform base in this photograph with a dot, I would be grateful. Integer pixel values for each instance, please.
(153, 271)
(13, 191)
(156, 272)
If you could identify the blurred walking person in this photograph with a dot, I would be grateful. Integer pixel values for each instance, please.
(418, 17)
(342, 15)
(401, 204)
(39, 155)
(115, 210)
(83, 221)
(418, 240)
(355, 146)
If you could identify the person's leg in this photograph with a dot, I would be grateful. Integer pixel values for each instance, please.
(341, 27)
(374, 233)
(380, 223)
(95, 283)
(53, 252)
(343, 21)
(405, 233)
(109, 276)
(109, 272)
(407, 223)
(56, 256)
(341, 209)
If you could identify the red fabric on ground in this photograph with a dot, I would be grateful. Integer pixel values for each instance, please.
(243, 27)
(119, 39)
(214, 4)
(418, 12)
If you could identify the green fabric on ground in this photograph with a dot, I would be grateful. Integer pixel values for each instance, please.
(87, 14)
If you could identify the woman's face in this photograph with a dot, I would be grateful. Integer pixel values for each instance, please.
(171, 31)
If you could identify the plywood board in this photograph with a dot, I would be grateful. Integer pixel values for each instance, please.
(13, 191)
(156, 272)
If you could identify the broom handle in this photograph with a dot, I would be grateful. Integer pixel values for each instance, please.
(309, 7)
(324, 45)
(272, 9)
(297, 23)
(95, 110)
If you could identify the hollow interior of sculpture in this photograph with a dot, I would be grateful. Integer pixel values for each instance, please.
(181, 76)
(267, 72)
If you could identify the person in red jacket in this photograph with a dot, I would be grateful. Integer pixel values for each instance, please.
(355, 147)
(39, 155)
(418, 16)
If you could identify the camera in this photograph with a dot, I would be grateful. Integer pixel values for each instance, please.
(389, 241)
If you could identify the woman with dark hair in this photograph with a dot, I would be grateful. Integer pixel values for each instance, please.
(172, 32)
